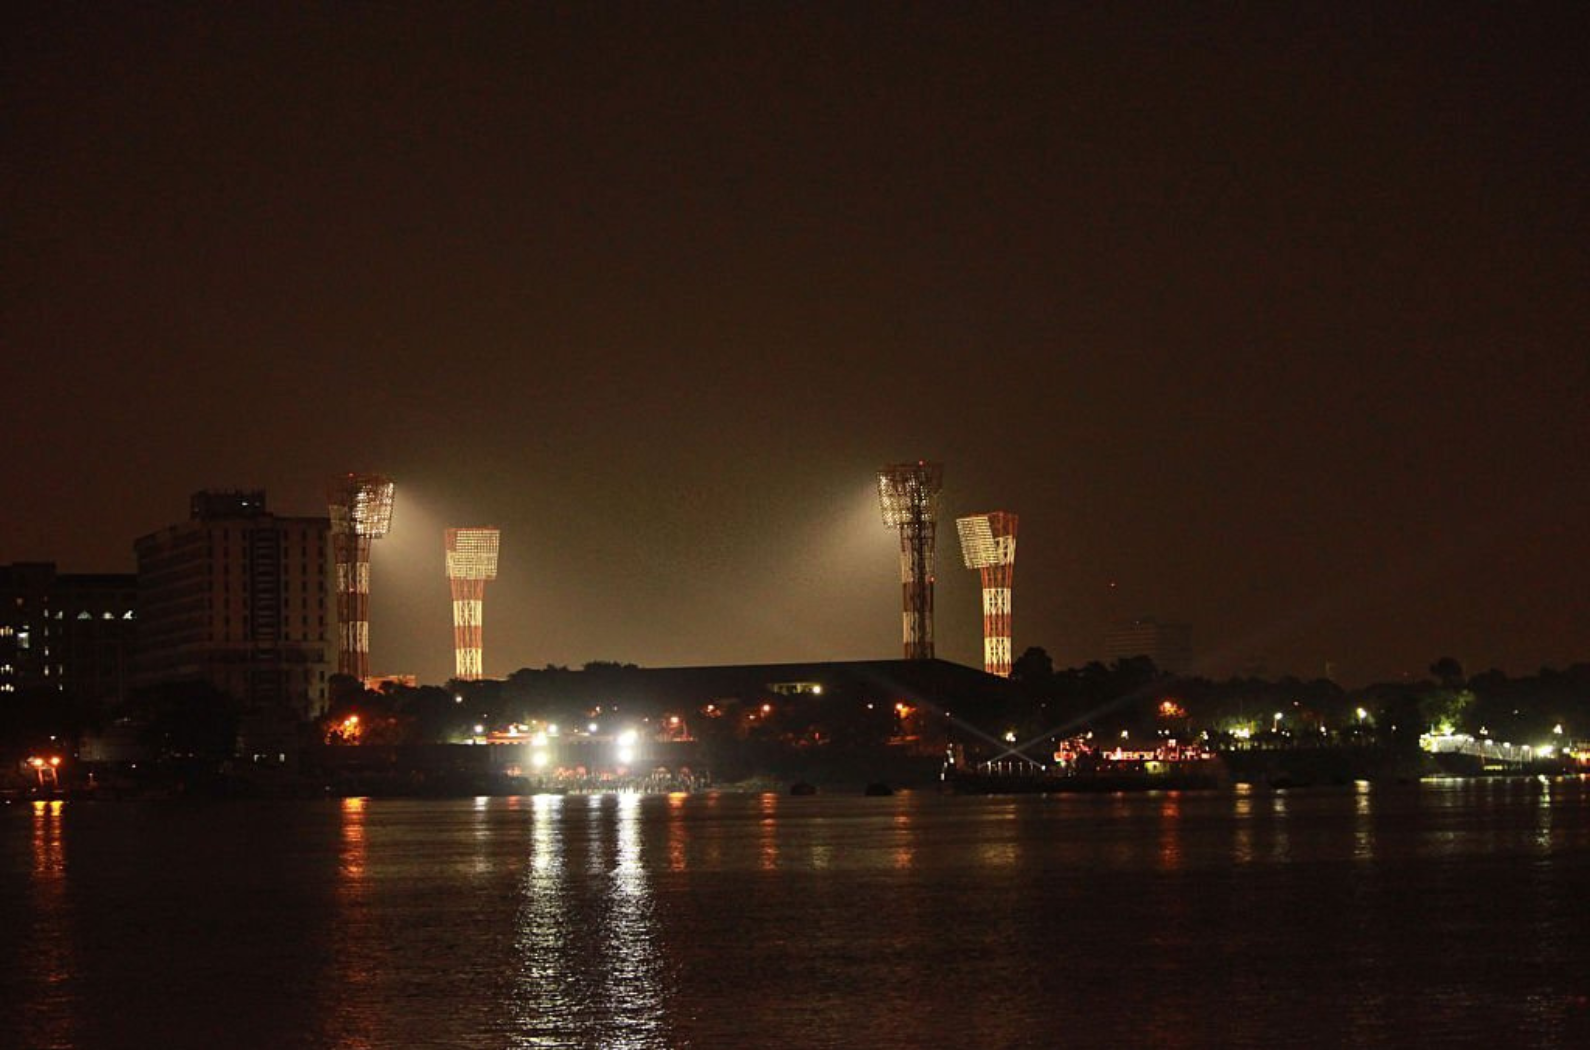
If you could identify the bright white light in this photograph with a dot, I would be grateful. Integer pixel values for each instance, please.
(817, 689)
(538, 759)
(628, 737)
(480, 729)
(538, 739)
(1362, 714)
(552, 730)
(591, 728)
(625, 756)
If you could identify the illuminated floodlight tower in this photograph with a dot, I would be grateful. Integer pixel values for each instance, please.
(361, 511)
(909, 496)
(988, 543)
(471, 561)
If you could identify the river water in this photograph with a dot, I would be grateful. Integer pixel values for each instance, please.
(1449, 912)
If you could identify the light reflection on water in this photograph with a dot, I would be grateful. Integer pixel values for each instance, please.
(904, 842)
(678, 833)
(767, 840)
(1242, 833)
(543, 1005)
(1170, 831)
(1279, 828)
(632, 969)
(47, 1013)
(353, 1021)
(587, 951)
(1363, 821)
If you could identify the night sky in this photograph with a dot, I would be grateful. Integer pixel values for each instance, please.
(1267, 320)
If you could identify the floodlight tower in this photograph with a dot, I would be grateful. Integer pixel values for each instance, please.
(988, 543)
(909, 496)
(471, 561)
(361, 511)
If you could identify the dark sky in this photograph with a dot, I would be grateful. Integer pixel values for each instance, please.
(1273, 317)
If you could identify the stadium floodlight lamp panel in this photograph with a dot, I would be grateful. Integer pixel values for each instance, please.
(472, 553)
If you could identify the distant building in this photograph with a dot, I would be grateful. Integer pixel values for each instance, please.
(1169, 645)
(70, 632)
(238, 597)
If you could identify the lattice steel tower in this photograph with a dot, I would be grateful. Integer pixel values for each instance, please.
(471, 561)
(909, 496)
(361, 511)
(988, 543)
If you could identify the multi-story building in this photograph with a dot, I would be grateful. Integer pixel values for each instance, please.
(238, 597)
(67, 632)
(1169, 645)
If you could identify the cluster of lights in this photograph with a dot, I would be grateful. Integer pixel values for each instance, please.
(45, 768)
(1444, 740)
(542, 738)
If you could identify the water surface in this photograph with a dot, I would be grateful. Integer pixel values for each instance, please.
(1450, 912)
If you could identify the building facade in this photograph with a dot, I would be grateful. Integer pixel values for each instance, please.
(70, 633)
(239, 598)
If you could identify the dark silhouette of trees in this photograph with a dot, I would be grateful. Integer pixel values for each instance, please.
(1033, 668)
(1448, 672)
(187, 720)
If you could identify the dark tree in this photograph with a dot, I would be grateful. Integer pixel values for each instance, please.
(1448, 672)
(1033, 668)
(188, 720)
